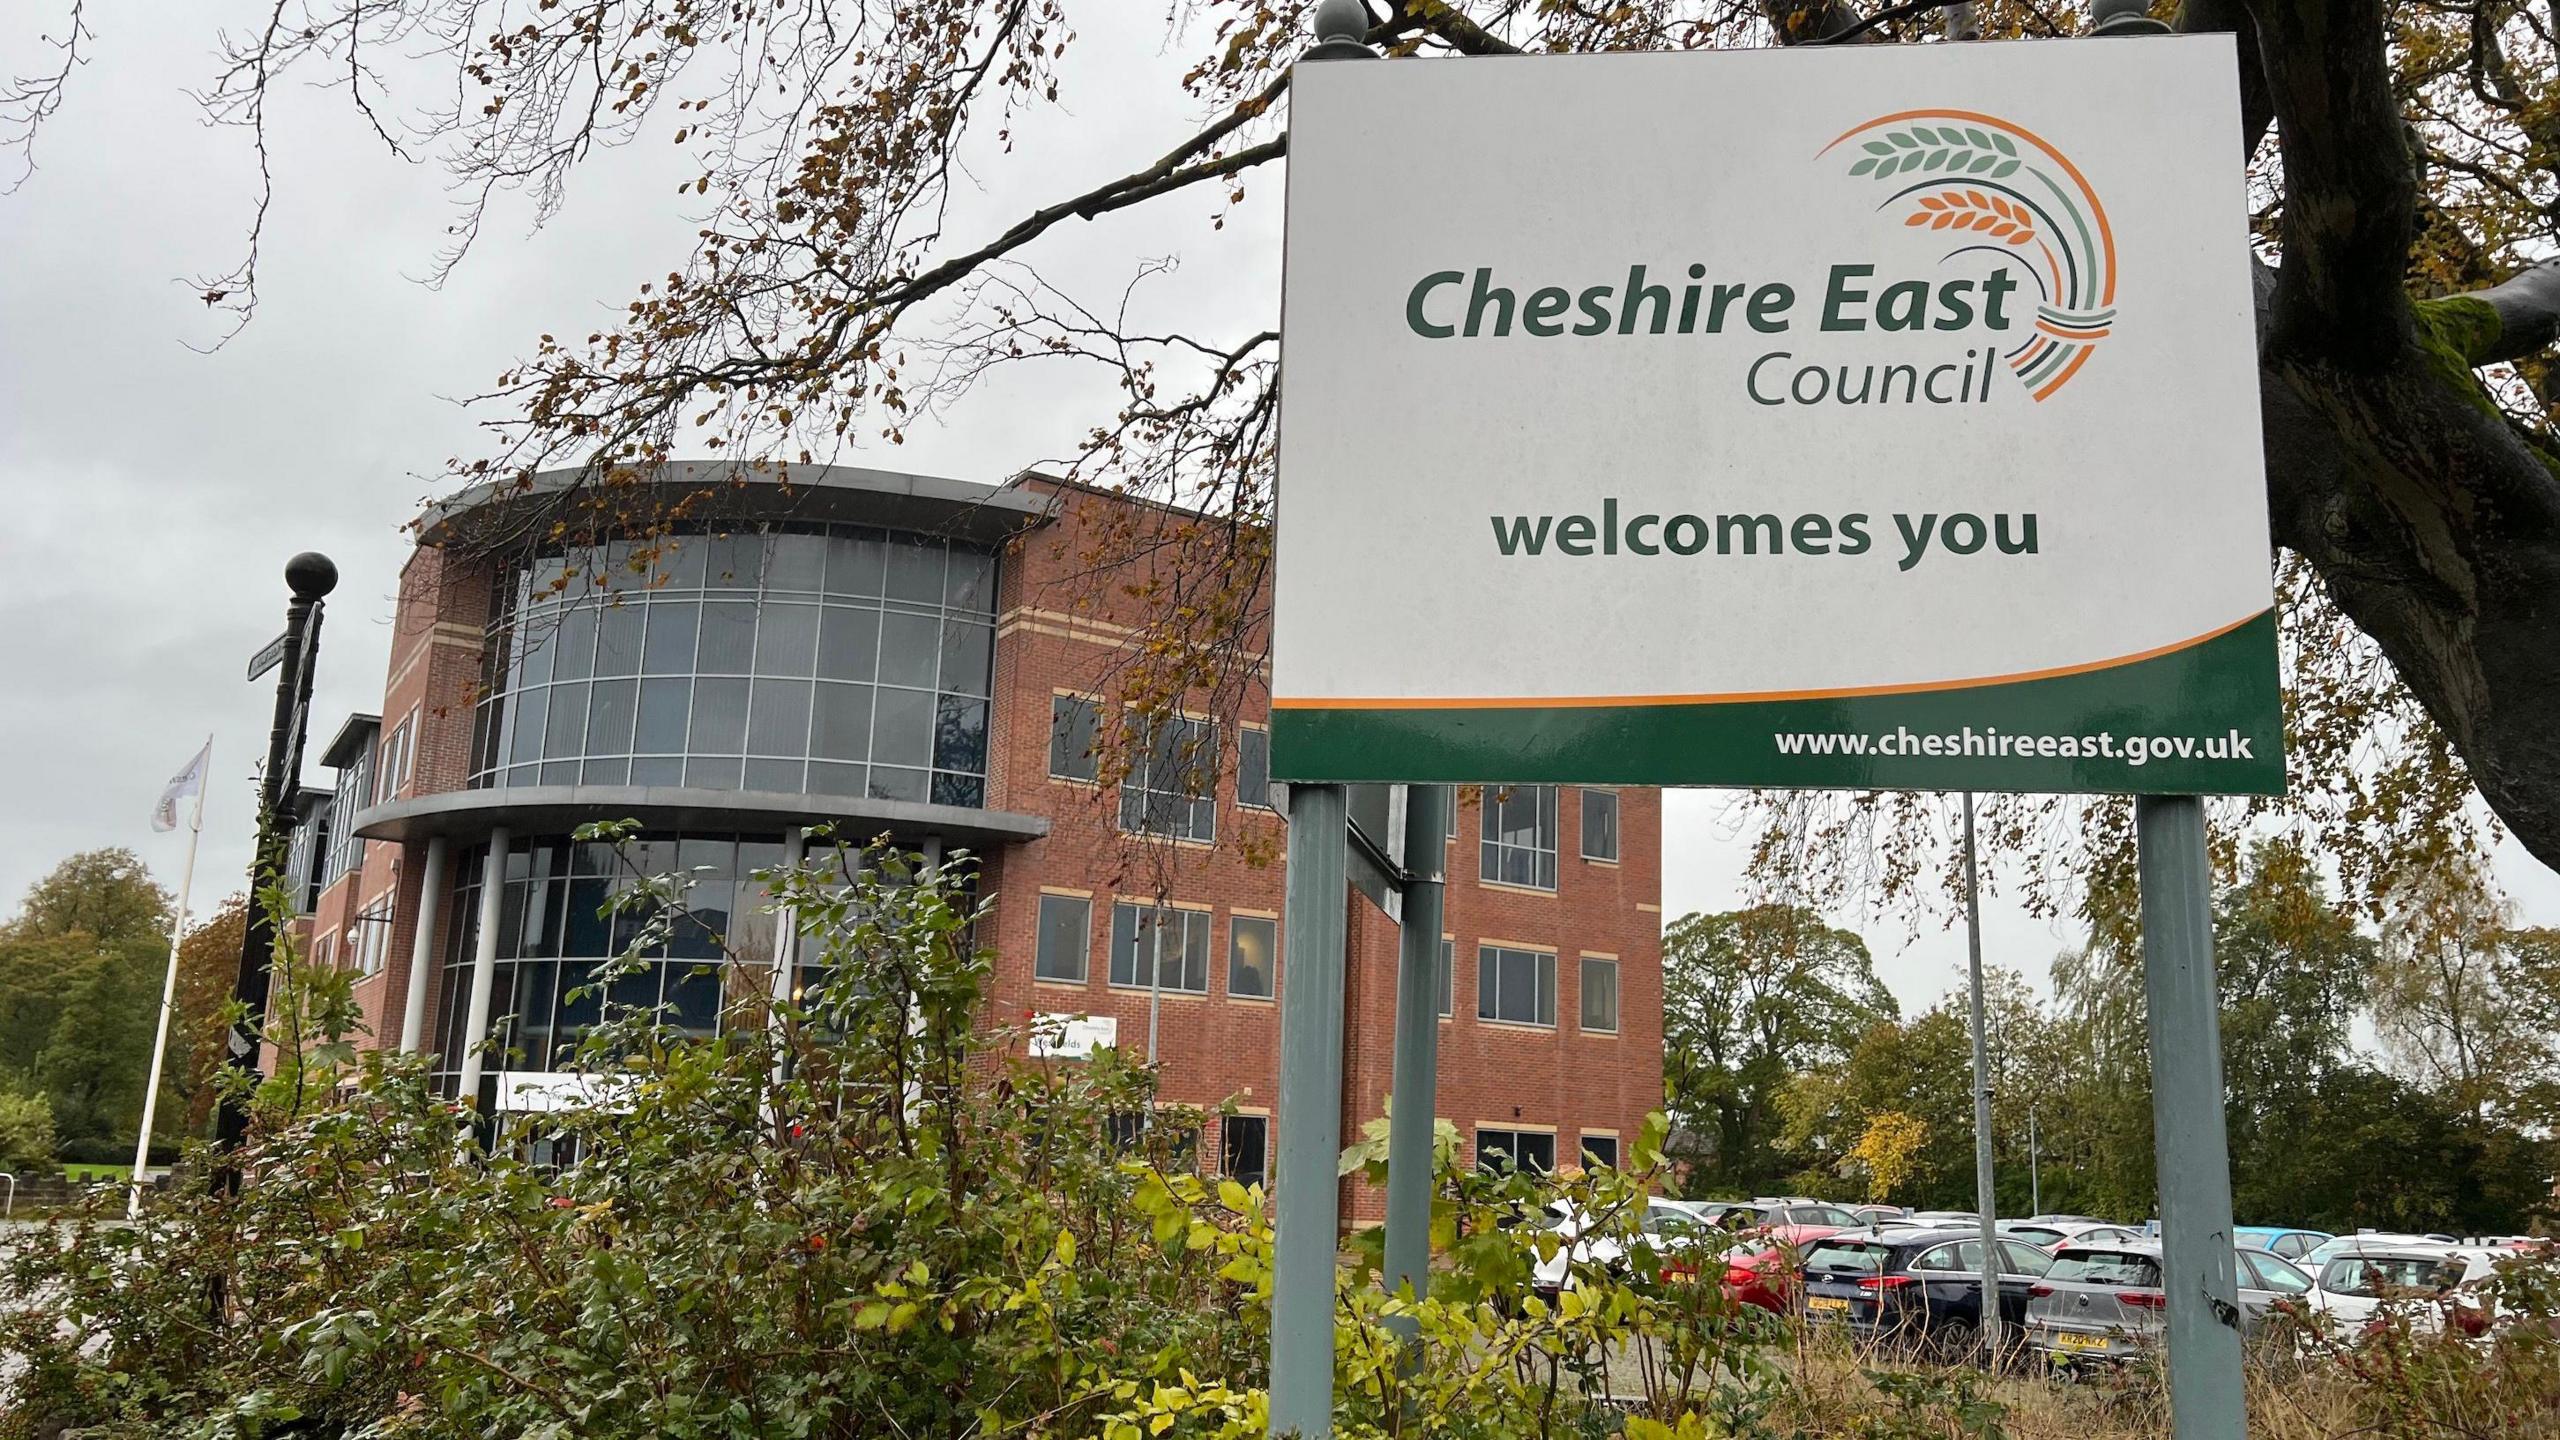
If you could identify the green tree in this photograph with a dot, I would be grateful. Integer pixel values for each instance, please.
(1750, 998)
(2293, 970)
(80, 973)
(2463, 1000)
(1920, 1069)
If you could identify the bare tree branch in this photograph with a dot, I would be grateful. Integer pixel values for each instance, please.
(31, 100)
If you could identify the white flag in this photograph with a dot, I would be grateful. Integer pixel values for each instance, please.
(189, 782)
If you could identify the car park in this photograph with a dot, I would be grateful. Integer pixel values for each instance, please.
(1913, 1285)
(2104, 1301)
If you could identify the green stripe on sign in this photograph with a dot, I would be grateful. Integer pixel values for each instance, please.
(2219, 698)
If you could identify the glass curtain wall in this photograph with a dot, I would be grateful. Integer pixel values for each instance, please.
(815, 659)
(552, 938)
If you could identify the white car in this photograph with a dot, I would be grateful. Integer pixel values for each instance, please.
(2054, 1234)
(2352, 1288)
(1667, 1226)
(2336, 1245)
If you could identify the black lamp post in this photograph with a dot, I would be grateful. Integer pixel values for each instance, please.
(309, 575)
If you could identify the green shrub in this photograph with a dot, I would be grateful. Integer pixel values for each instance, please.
(853, 1214)
(26, 1134)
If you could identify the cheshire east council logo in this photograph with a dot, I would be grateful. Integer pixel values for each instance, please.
(1998, 187)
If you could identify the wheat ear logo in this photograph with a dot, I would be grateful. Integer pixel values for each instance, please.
(1997, 187)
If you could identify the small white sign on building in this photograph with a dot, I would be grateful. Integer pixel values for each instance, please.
(1073, 1037)
(524, 1092)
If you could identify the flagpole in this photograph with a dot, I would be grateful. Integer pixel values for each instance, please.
(168, 990)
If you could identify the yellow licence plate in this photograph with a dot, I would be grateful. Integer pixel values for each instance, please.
(1825, 1303)
(2080, 1342)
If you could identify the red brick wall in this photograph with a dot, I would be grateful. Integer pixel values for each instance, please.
(1060, 632)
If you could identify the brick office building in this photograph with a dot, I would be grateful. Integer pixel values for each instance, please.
(926, 658)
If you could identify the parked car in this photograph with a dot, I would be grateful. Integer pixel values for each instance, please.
(2278, 1240)
(2067, 1220)
(1944, 1219)
(1765, 1273)
(1880, 1214)
(2429, 1278)
(1913, 1285)
(2053, 1235)
(1684, 1235)
(2104, 1301)
(2317, 1258)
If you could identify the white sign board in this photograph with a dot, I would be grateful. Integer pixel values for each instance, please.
(1879, 416)
(1073, 1037)
(523, 1092)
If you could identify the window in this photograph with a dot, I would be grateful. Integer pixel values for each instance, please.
(1530, 1150)
(1169, 1148)
(391, 769)
(1253, 955)
(1066, 934)
(2019, 1258)
(1600, 825)
(1170, 788)
(1448, 977)
(1847, 1257)
(1244, 1148)
(1253, 768)
(1520, 836)
(1600, 995)
(371, 943)
(1599, 1150)
(1518, 986)
(2106, 1267)
(1167, 949)
(814, 659)
(2266, 1272)
(1072, 722)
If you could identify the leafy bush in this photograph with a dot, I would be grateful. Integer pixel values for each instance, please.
(26, 1134)
(852, 1213)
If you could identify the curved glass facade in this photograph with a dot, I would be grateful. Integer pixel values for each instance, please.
(802, 659)
(552, 938)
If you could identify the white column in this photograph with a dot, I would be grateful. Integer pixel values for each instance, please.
(786, 961)
(422, 950)
(786, 920)
(484, 962)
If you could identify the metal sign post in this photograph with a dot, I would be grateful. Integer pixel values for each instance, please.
(2207, 1400)
(1413, 1116)
(1306, 1193)
(1986, 1203)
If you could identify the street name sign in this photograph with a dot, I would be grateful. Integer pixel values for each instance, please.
(1878, 417)
(268, 656)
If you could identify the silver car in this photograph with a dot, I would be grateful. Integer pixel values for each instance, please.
(2105, 1302)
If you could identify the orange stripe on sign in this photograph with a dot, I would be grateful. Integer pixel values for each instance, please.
(1590, 702)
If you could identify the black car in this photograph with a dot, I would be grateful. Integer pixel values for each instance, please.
(1914, 1286)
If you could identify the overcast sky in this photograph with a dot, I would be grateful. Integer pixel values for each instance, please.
(154, 492)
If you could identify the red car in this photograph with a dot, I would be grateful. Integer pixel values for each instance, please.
(1763, 1272)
